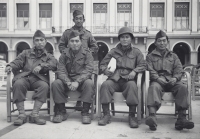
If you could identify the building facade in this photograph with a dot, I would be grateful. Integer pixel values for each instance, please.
(180, 19)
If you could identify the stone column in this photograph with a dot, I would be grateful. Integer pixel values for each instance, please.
(33, 15)
(113, 14)
(194, 57)
(65, 18)
(170, 15)
(11, 15)
(194, 15)
(136, 12)
(11, 55)
(56, 15)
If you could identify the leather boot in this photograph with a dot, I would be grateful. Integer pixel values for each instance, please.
(132, 119)
(86, 118)
(106, 115)
(182, 122)
(60, 114)
(151, 121)
(79, 106)
(20, 120)
(36, 120)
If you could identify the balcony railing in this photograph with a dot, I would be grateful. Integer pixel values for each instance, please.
(103, 29)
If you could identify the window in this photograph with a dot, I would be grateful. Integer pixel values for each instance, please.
(73, 7)
(156, 19)
(199, 16)
(3, 15)
(124, 14)
(22, 16)
(181, 15)
(45, 13)
(100, 17)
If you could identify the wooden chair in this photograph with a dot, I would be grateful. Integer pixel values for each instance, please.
(74, 96)
(195, 82)
(10, 105)
(168, 96)
(118, 97)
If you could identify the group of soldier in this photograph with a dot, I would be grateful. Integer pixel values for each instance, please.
(78, 50)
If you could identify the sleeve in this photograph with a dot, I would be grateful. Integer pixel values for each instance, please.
(50, 64)
(93, 44)
(153, 74)
(87, 72)
(19, 62)
(178, 68)
(104, 63)
(62, 71)
(63, 42)
(141, 64)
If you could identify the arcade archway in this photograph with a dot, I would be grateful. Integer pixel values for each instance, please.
(3, 52)
(183, 52)
(49, 48)
(151, 48)
(103, 50)
(22, 46)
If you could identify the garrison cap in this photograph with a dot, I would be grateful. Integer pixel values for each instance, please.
(39, 33)
(74, 33)
(161, 34)
(77, 12)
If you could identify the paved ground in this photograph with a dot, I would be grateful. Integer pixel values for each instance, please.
(117, 129)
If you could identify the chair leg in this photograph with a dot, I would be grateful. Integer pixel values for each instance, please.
(48, 106)
(113, 108)
(8, 106)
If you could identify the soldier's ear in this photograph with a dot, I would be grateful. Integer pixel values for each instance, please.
(84, 20)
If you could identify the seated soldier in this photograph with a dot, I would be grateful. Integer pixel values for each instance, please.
(35, 64)
(130, 62)
(165, 74)
(74, 73)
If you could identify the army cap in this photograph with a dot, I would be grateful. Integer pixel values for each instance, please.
(77, 12)
(39, 33)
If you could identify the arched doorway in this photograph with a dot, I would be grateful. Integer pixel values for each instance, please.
(103, 50)
(151, 48)
(3, 52)
(49, 48)
(22, 46)
(183, 52)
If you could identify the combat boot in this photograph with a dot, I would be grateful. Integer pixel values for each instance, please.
(182, 122)
(133, 123)
(79, 106)
(86, 117)
(60, 113)
(20, 120)
(36, 120)
(151, 121)
(106, 119)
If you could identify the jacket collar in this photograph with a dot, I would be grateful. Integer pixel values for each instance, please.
(82, 29)
(119, 49)
(79, 55)
(44, 54)
(156, 52)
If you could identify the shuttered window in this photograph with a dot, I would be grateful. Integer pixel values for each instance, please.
(45, 14)
(22, 16)
(3, 15)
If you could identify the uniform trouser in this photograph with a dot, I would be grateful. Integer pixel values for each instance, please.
(21, 86)
(128, 89)
(155, 94)
(60, 90)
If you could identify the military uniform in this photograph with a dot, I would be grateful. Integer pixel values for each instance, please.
(72, 68)
(127, 61)
(167, 66)
(26, 80)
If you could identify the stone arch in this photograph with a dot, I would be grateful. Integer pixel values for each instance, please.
(19, 41)
(151, 48)
(21, 46)
(182, 42)
(3, 51)
(183, 51)
(103, 50)
(49, 47)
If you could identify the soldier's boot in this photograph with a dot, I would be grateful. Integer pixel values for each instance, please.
(34, 117)
(106, 119)
(79, 106)
(20, 120)
(60, 113)
(182, 122)
(151, 120)
(22, 116)
(133, 123)
(86, 117)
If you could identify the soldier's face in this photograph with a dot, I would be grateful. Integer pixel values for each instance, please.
(75, 43)
(79, 20)
(39, 42)
(161, 43)
(125, 39)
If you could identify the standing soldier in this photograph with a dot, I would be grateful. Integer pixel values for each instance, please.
(35, 64)
(74, 73)
(130, 62)
(165, 75)
(87, 39)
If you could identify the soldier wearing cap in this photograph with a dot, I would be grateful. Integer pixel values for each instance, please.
(35, 64)
(130, 61)
(165, 75)
(74, 73)
(88, 40)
